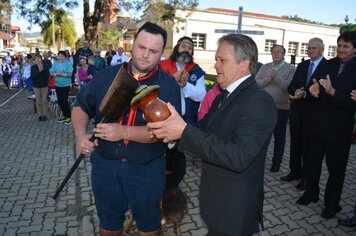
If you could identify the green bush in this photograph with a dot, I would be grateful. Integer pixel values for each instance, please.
(210, 81)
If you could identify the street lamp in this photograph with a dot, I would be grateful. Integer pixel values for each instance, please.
(346, 19)
(347, 26)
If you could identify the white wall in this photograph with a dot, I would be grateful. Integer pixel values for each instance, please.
(274, 28)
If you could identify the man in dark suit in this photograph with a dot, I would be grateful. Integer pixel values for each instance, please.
(333, 121)
(300, 103)
(232, 141)
(350, 222)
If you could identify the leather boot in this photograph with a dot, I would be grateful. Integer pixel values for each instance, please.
(152, 233)
(103, 232)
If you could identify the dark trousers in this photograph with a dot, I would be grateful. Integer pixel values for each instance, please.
(175, 167)
(6, 79)
(280, 137)
(336, 156)
(62, 95)
(297, 128)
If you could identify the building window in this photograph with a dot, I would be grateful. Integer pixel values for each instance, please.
(332, 51)
(269, 44)
(292, 48)
(304, 49)
(199, 40)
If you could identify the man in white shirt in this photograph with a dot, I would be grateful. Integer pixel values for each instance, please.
(119, 58)
(191, 79)
(189, 75)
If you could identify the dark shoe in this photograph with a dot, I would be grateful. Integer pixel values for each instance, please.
(40, 118)
(274, 169)
(289, 177)
(349, 222)
(44, 118)
(305, 200)
(302, 185)
(328, 213)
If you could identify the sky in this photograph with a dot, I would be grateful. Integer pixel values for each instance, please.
(325, 11)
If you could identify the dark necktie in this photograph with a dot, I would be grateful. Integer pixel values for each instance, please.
(341, 68)
(310, 72)
(224, 95)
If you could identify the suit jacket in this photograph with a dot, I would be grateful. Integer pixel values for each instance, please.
(300, 107)
(232, 140)
(333, 116)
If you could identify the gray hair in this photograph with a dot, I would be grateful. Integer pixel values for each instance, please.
(244, 48)
(319, 41)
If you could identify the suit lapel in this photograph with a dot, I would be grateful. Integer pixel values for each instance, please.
(232, 98)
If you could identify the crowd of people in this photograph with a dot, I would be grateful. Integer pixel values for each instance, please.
(229, 127)
(66, 70)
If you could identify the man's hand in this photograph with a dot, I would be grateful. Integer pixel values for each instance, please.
(110, 131)
(298, 94)
(271, 73)
(314, 89)
(170, 129)
(84, 146)
(181, 77)
(353, 94)
(326, 83)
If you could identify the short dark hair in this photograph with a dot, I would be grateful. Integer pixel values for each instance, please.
(38, 55)
(63, 53)
(153, 29)
(348, 36)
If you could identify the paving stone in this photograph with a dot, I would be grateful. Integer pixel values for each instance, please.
(34, 171)
(18, 224)
(27, 214)
(10, 232)
(74, 232)
(60, 228)
(298, 232)
(27, 230)
(291, 224)
(44, 209)
(187, 227)
(7, 220)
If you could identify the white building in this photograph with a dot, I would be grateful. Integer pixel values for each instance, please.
(207, 26)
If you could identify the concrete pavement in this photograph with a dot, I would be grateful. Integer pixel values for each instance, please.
(35, 156)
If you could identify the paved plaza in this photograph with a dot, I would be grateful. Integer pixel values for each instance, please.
(35, 156)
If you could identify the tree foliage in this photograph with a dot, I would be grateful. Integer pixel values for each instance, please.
(36, 12)
(63, 28)
(108, 35)
(164, 12)
(161, 11)
(5, 8)
(299, 19)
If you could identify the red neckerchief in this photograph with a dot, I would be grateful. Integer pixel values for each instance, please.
(170, 67)
(133, 109)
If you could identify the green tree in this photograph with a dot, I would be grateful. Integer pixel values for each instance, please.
(108, 35)
(37, 12)
(164, 11)
(63, 30)
(5, 9)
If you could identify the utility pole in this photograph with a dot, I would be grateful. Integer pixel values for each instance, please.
(239, 23)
